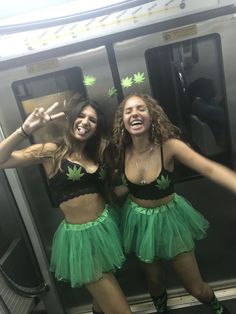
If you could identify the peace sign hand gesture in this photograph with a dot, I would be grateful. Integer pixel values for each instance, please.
(39, 117)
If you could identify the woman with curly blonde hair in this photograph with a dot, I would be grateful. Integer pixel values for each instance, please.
(158, 224)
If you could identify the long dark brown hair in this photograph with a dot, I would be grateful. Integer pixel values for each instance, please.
(95, 146)
(160, 131)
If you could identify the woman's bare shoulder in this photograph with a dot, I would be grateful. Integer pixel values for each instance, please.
(174, 143)
(170, 144)
(173, 147)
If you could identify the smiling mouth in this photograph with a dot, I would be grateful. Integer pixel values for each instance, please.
(136, 122)
(82, 130)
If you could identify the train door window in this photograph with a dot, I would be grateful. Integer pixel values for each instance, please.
(43, 91)
(188, 80)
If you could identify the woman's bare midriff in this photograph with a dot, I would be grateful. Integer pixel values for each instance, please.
(152, 203)
(83, 208)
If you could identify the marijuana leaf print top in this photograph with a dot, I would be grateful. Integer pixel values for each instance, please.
(73, 180)
(161, 187)
(74, 173)
(163, 183)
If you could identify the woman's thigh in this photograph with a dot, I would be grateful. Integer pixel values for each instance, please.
(107, 292)
(186, 268)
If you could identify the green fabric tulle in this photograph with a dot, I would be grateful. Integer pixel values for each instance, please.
(161, 232)
(81, 253)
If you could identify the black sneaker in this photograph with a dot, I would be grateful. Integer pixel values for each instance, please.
(160, 303)
(217, 307)
(224, 310)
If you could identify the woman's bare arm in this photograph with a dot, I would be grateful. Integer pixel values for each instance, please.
(34, 154)
(210, 169)
(9, 157)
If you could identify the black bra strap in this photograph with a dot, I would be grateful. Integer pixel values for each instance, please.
(162, 157)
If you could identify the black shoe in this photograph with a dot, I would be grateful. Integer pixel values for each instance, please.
(224, 310)
(217, 307)
(160, 303)
(221, 310)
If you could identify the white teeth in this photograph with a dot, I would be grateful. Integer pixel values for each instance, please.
(136, 122)
(82, 130)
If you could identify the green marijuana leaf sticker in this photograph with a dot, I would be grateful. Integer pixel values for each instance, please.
(123, 179)
(89, 80)
(74, 173)
(163, 183)
(127, 82)
(139, 78)
(112, 92)
(102, 173)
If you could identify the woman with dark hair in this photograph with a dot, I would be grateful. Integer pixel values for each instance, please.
(86, 247)
(158, 224)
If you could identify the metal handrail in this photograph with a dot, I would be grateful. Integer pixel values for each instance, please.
(31, 292)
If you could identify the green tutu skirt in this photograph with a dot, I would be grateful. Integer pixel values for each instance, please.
(81, 253)
(161, 232)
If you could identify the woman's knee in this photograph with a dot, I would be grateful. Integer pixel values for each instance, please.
(156, 283)
(154, 273)
(202, 292)
(109, 295)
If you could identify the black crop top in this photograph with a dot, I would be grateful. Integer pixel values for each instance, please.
(162, 186)
(73, 181)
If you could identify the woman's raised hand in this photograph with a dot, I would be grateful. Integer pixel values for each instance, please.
(39, 117)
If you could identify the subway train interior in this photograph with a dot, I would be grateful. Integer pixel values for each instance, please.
(165, 48)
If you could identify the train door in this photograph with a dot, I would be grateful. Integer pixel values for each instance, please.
(165, 64)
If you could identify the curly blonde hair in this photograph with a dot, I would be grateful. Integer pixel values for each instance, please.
(161, 128)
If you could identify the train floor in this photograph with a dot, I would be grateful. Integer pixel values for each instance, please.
(203, 309)
(198, 309)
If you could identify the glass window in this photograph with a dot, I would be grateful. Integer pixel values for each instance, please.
(188, 80)
(43, 91)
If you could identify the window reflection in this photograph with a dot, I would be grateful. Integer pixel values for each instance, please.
(187, 79)
(43, 91)
(208, 118)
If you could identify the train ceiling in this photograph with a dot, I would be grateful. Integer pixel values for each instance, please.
(44, 25)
